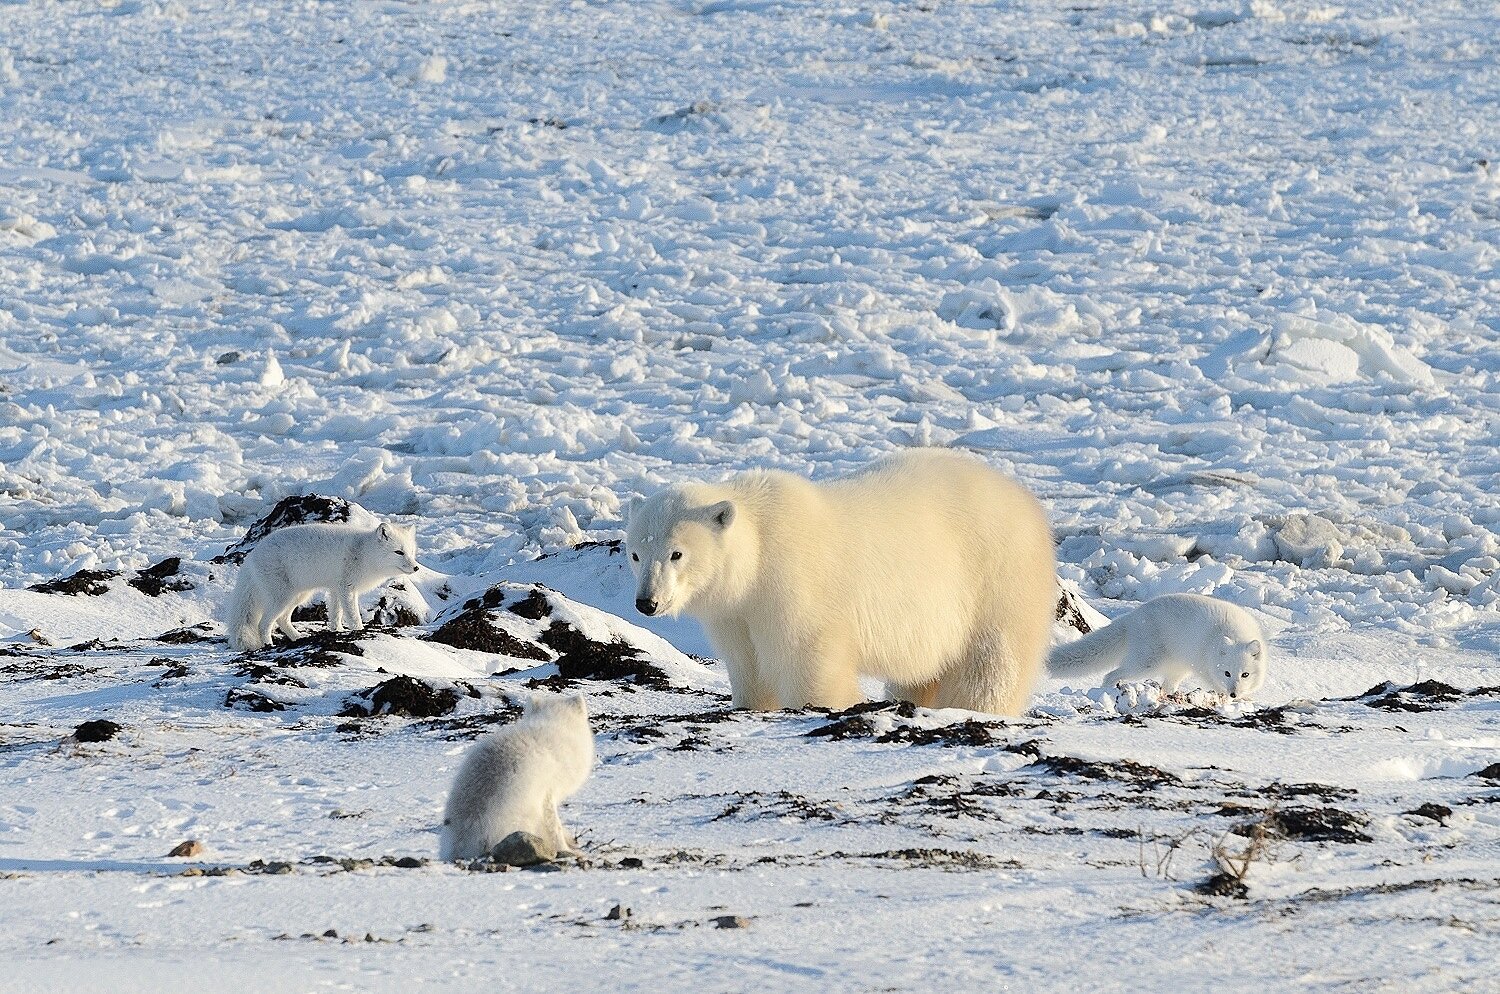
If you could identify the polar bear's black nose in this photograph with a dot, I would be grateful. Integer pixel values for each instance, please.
(645, 605)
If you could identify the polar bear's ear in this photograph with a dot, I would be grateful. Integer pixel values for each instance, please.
(721, 514)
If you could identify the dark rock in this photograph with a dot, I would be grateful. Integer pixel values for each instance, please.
(631, 863)
(1137, 775)
(405, 696)
(731, 921)
(409, 863)
(88, 582)
(522, 849)
(227, 358)
(288, 511)
(248, 700)
(152, 580)
(618, 913)
(1490, 772)
(185, 636)
(392, 613)
(1070, 614)
(98, 730)
(1439, 813)
(310, 612)
(192, 847)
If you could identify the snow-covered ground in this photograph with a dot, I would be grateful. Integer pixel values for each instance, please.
(1220, 281)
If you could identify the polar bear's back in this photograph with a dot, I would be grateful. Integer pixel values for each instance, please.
(917, 553)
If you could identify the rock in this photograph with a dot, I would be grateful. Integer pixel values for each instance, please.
(152, 580)
(98, 730)
(619, 913)
(192, 847)
(403, 695)
(409, 863)
(522, 849)
(1439, 813)
(731, 921)
(293, 511)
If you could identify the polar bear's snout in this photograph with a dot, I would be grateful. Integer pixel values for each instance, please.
(645, 605)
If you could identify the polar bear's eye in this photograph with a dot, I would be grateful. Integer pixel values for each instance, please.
(676, 556)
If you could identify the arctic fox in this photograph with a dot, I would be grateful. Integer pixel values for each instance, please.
(928, 570)
(291, 564)
(1172, 638)
(513, 779)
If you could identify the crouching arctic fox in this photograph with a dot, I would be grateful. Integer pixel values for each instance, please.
(512, 780)
(1172, 638)
(291, 564)
(927, 570)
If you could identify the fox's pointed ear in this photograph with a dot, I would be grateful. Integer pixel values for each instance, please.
(579, 703)
(1255, 648)
(385, 531)
(1228, 640)
(722, 514)
(636, 503)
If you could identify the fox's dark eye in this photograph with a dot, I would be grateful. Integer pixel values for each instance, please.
(1245, 675)
(634, 558)
(1227, 673)
(676, 556)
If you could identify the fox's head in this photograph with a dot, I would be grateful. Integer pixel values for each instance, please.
(1242, 666)
(676, 548)
(401, 542)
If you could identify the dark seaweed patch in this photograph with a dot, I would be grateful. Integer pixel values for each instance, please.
(581, 658)
(86, 582)
(474, 630)
(248, 700)
(185, 636)
(152, 580)
(1127, 771)
(405, 696)
(534, 606)
(1439, 813)
(1308, 825)
(97, 730)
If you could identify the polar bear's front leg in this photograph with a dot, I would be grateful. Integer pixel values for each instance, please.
(747, 688)
(821, 672)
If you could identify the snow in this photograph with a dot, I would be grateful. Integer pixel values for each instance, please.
(1218, 281)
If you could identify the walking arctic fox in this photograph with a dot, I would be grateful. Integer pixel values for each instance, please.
(513, 779)
(927, 570)
(293, 563)
(1174, 637)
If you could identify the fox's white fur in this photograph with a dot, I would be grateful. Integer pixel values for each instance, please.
(291, 564)
(1173, 638)
(513, 779)
(927, 570)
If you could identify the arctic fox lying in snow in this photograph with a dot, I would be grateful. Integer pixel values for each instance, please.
(928, 570)
(1174, 637)
(291, 564)
(513, 779)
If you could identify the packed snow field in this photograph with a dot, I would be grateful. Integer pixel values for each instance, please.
(1217, 281)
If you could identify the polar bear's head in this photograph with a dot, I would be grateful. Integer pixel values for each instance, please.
(1242, 666)
(676, 548)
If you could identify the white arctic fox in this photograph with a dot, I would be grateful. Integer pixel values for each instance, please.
(513, 779)
(1172, 638)
(293, 563)
(928, 570)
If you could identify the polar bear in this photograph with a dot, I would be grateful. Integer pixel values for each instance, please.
(927, 570)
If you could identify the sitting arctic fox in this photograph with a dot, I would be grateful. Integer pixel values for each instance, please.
(513, 779)
(1172, 638)
(293, 563)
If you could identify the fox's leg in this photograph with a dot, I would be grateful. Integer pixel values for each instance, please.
(335, 608)
(557, 835)
(352, 620)
(1138, 663)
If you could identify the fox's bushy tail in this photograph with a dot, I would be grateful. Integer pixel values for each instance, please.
(241, 617)
(1101, 649)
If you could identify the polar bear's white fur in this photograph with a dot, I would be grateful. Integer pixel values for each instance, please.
(927, 570)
